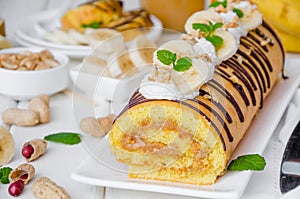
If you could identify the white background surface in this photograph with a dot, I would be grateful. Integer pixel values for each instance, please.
(61, 160)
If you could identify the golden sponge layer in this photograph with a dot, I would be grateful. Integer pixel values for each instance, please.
(167, 137)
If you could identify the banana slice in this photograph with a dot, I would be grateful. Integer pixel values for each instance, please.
(229, 46)
(201, 17)
(141, 51)
(252, 17)
(189, 81)
(105, 40)
(180, 47)
(7, 146)
(120, 64)
(78, 37)
(95, 65)
(252, 21)
(60, 37)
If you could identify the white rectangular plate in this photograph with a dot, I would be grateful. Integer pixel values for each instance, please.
(232, 184)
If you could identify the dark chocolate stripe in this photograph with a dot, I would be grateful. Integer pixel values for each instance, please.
(280, 45)
(253, 65)
(261, 84)
(218, 105)
(239, 72)
(238, 87)
(276, 37)
(203, 92)
(208, 119)
(258, 51)
(230, 138)
(135, 95)
(250, 35)
(238, 67)
(218, 87)
(243, 42)
(223, 71)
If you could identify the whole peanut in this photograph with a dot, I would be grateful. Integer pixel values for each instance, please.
(97, 127)
(44, 188)
(20, 117)
(40, 104)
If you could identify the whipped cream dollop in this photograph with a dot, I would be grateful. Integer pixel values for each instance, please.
(245, 5)
(228, 16)
(237, 32)
(204, 47)
(156, 90)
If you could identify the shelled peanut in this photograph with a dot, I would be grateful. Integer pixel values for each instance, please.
(28, 61)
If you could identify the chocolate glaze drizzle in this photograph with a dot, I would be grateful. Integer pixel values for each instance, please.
(218, 105)
(255, 62)
(267, 26)
(224, 92)
(237, 86)
(215, 114)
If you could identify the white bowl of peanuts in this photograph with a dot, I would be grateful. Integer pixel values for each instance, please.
(28, 72)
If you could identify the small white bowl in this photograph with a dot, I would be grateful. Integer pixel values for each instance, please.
(111, 89)
(23, 85)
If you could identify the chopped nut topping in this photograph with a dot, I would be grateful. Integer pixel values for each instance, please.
(265, 42)
(234, 79)
(220, 8)
(206, 57)
(28, 61)
(240, 59)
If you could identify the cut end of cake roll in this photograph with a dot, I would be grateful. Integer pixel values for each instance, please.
(167, 139)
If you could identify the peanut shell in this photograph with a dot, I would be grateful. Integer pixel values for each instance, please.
(20, 117)
(40, 105)
(39, 146)
(21, 170)
(97, 127)
(44, 188)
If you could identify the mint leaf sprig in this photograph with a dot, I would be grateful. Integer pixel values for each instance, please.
(253, 162)
(217, 3)
(94, 25)
(167, 57)
(64, 138)
(224, 3)
(238, 12)
(208, 30)
(4, 173)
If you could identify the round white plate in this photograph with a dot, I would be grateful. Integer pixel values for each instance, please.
(31, 32)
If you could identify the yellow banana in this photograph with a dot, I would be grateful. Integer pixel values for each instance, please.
(290, 42)
(283, 14)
